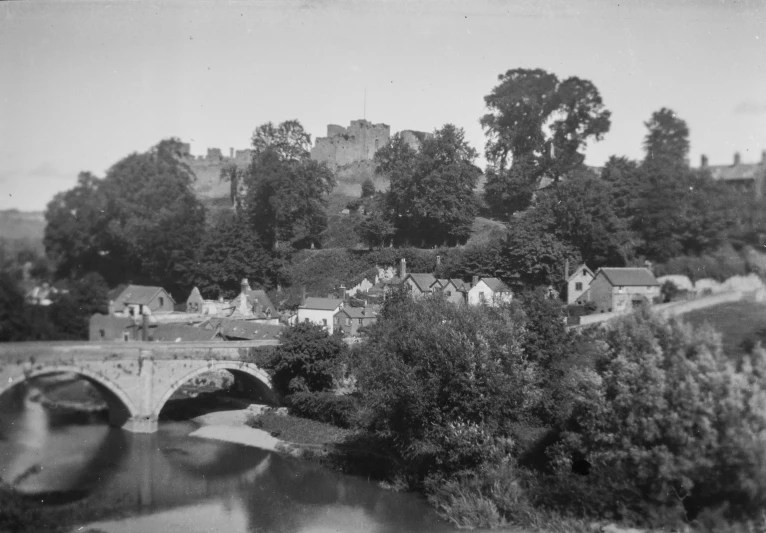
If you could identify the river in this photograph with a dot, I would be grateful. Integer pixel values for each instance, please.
(171, 482)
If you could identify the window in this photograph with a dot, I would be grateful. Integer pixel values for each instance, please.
(348, 321)
(448, 293)
(337, 320)
(102, 332)
(125, 335)
(481, 297)
(360, 321)
(162, 301)
(578, 286)
(324, 321)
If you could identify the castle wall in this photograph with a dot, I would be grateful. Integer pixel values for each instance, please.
(344, 146)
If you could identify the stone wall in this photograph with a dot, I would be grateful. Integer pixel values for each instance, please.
(344, 146)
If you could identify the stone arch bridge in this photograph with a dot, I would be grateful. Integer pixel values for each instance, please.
(135, 379)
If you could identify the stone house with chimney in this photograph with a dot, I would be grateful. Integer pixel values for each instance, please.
(619, 290)
(745, 177)
(350, 319)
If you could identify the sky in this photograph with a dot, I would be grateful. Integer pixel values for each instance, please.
(83, 84)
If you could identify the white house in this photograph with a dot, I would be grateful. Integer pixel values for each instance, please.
(320, 311)
(578, 283)
(489, 291)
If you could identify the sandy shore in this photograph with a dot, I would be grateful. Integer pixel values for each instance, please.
(229, 426)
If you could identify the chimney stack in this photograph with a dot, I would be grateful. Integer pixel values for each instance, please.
(343, 292)
(474, 281)
(703, 161)
(303, 295)
(402, 268)
(438, 261)
(245, 288)
(566, 270)
(736, 158)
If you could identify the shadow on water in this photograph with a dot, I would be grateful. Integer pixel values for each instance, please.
(130, 482)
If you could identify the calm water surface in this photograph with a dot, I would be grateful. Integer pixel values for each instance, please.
(170, 482)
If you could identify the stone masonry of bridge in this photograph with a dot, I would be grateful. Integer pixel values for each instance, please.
(135, 379)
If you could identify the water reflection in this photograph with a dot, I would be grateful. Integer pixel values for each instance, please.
(172, 482)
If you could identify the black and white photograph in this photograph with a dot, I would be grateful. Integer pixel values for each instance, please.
(385, 266)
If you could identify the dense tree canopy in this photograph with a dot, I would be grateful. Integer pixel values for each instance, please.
(667, 140)
(140, 223)
(229, 252)
(538, 124)
(532, 110)
(431, 193)
(285, 189)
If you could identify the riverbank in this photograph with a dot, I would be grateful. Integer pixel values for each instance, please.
(270, 429)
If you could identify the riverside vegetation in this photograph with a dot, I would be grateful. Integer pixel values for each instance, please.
(503, 417)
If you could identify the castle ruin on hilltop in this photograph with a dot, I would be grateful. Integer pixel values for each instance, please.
(352, 147)
(358, 142)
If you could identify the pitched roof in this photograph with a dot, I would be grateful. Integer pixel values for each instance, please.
(460, 284)
(140, 294)
(743, 171)
(254, 296)
(629, 276)
(583, 266)
(181, 332)
(423, 281)
(359, 312)
(322, 304)
(496, 285)
(244, 329)
(117, 291)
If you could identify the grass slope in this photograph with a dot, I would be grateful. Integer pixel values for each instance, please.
(736, 321)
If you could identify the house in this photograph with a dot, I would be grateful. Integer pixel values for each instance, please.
(42, 294)
(135, 300)
(578, 283)
(109, 328)
(320, 311)
(620, 289)
(350, 319)
(252, 304)
(249, 304)
(454, 290)
(488, 291)
(420, 285)
(182, 333)
(745, 177)
(248, 330)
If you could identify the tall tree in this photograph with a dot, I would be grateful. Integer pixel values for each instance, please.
(667, 140)
(155, 216)
(229, 252)
(431, 192)
(288, 139)
(140, 223)
(76, 230)
(579, 212)
(285, 189)
(533, 114)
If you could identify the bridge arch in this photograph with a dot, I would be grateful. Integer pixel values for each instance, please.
(250, 372)
(121, 407)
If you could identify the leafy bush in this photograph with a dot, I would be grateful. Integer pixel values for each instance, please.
(324, 407)
(446, 383)
(307, 360)
(668, 424)
(719, 265)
